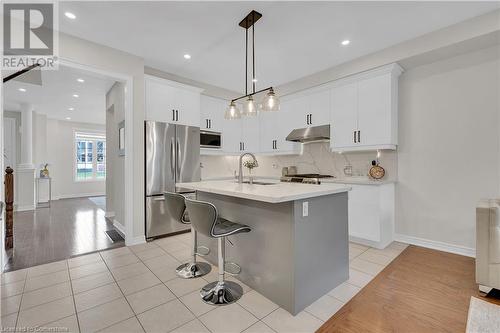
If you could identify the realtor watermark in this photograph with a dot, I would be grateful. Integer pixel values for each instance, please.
(30, 35)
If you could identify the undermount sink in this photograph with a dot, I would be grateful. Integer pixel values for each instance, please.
(255, 182)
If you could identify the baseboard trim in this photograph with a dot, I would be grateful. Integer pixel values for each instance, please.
(368, 242)
(436, 245)
(24, 208)
(119, 227)
(78, 195)
(136, 240)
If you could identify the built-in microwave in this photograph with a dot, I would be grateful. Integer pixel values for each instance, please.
(209, 139)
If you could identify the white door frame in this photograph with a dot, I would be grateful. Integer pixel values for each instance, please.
(129, 136)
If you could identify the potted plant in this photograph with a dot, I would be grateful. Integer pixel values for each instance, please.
(250, 165)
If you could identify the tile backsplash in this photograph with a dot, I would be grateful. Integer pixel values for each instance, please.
(316, 158)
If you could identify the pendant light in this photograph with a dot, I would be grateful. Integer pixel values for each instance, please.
(249, 108)
(232, 112)
(270, 101)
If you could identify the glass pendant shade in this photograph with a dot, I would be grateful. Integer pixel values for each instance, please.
(232, 112)
(250, 108)
(270, 102)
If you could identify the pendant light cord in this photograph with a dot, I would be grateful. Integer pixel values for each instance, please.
(246, 61)
(253, 56)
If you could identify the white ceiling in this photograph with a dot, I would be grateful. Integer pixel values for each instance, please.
(55, 96)
(293, 39)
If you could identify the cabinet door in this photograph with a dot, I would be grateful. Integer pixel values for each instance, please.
(231, 136)
(291, 116)
(188, 105)
(319, 108)
(159, 101)
(344, 116)
(250, 135)
(268, 130)
(364, 212)
(374, 110)
(212, 113)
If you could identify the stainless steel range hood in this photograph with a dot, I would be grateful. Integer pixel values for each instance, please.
(310, 134)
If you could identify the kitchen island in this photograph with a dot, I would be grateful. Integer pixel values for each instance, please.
(298, 249)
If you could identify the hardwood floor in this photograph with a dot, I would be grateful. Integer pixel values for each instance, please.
(422, 290)
(69, 227)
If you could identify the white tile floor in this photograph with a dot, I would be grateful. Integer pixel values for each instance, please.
(135, 289)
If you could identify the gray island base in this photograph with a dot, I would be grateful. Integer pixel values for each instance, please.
(291, 259)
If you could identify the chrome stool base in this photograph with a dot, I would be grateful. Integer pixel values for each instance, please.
(192, 270)
(221, 293)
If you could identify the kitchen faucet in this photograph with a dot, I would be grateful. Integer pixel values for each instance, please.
(240, 175)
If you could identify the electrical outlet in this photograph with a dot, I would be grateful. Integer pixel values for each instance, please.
(305, 208)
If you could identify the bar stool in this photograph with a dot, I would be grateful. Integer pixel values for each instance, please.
(177, 208)
(205, 219)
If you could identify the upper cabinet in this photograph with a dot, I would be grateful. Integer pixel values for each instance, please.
(212, 113)
(171, 102)
(364, 111)
(309, 108)
(275, 127)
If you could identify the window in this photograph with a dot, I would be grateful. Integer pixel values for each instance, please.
(90, 149)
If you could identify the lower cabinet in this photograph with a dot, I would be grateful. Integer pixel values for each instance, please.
(371, 214)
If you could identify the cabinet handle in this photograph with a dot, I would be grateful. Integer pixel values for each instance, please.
(209, 123)
(359, 136)
(176, 115)
(354, 132)
(273, 145)
(307, 119)
(310, 119)
(206, 123)
(243, 146)
(240, 146)
(173, 115)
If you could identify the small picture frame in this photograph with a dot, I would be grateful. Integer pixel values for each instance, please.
(121, 138)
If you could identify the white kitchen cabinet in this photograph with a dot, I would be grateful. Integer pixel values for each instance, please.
(231, 136)
(319, 106)
(344, 115)
(377, 118)
(171, 102)
(212, 113)
(250, 134)
(275, 127)
(364, 111)
(310, 107)
(371, 214)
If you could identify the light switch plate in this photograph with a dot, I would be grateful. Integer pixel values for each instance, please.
(305, 208)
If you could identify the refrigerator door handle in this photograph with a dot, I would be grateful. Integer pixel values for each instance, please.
(172, 156)
(178, 158)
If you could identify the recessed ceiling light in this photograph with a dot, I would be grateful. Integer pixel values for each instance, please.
(70, 15)
(75, 95)
(187, 56)
(71, 109)
(22, 89)
(80, 80)
(346, 42)
(68, 118)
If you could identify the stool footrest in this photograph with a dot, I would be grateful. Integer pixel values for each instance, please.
(202, 251)
(232, 268)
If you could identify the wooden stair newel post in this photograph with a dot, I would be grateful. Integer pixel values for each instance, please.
(9, 208)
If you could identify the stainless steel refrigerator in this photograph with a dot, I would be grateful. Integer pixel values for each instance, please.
(172, 156)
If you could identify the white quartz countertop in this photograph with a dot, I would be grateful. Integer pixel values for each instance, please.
(275, 193)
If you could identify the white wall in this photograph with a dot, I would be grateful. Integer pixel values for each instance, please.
(55, 145)
(449, 146)
(115, 164)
